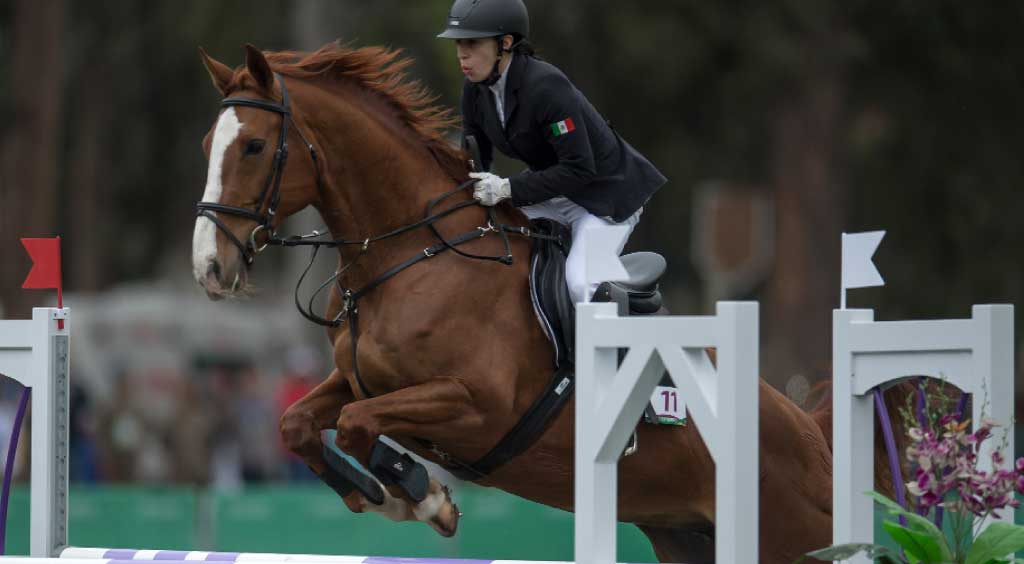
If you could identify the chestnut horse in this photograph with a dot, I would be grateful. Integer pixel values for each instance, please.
(450, 352)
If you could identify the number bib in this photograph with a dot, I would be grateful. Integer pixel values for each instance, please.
(668, 406)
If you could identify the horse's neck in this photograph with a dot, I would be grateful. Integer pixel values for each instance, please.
(378, 176)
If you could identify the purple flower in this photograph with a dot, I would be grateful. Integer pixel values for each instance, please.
(948, 463)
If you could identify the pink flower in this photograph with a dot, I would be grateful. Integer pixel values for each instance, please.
(947, 419)
(949, 464)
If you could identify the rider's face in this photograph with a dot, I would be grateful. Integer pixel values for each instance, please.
(476, 57)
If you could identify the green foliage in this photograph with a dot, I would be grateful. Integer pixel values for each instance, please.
(846, 551)
(995, 542)
(924, 543)
(920, 546)
(921, 539)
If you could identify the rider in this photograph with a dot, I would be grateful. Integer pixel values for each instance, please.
(581, 172)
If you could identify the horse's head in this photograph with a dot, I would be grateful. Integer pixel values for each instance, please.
(251, 183)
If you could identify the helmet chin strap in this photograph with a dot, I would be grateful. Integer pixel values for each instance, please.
(495, 75)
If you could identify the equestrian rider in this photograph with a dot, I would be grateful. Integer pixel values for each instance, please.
(581, 172)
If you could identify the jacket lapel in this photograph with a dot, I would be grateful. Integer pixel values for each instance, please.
(512, 84)
(494, 129)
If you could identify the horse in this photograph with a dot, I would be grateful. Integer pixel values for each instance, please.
(448, 353)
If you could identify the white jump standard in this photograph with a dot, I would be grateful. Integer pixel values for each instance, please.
(36, 353)
(724, 402)
(975, 355)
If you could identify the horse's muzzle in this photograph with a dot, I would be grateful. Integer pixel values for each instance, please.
(220, 282)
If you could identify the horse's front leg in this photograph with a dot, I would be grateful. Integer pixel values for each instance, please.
(300, 429)
(439, 408)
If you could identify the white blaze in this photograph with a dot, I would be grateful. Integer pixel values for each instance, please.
(204, 240)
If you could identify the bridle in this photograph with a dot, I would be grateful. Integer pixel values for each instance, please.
(270, 196)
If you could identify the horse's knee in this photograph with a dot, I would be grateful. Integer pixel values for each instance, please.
(356, 432)
(298, 432)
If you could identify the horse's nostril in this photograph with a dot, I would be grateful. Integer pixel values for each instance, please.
(213, 271)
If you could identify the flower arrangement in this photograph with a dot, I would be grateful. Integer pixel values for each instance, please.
(948, 482)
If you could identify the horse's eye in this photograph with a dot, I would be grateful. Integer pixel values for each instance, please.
(254, 147)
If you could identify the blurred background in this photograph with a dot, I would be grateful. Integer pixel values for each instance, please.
(780, 125)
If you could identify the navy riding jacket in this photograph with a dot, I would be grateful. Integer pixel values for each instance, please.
(570, 149)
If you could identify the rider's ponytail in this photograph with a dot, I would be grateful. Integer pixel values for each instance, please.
(522, 46)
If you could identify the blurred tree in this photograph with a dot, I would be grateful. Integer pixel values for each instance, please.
(856, 115)
(30, 139)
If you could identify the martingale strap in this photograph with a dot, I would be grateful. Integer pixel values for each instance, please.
(351, 296)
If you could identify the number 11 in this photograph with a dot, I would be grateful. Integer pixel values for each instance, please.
(675, 401)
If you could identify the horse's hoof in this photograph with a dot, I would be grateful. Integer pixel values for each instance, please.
(446, 521)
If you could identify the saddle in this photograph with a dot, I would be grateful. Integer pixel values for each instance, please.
(556, 311)
(552, 303)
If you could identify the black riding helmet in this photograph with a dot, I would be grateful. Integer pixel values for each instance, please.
(469, 19)
(474, 19)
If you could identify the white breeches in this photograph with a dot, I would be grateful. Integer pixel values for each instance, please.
(570, 213)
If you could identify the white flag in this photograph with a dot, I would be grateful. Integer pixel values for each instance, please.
(858, 270)
(601, 253)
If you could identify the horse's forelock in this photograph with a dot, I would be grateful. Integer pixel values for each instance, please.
(242, 81)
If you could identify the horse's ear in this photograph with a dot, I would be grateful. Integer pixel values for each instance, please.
(258, 67)
(220, 74)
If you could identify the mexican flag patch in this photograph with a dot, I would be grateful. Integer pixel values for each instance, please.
(561, 128)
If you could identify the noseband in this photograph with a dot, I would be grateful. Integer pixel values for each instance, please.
(270, 196)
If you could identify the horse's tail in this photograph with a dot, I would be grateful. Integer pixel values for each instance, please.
(896, 397)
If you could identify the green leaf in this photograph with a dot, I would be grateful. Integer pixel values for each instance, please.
(920, 545)
(847, 551)
(996, 542)
(914, 521)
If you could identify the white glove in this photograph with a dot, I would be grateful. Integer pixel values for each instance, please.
(491, 188)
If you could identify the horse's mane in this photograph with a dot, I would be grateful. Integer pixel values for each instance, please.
(381, 71)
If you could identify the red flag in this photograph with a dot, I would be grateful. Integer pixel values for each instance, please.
(45, 273)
